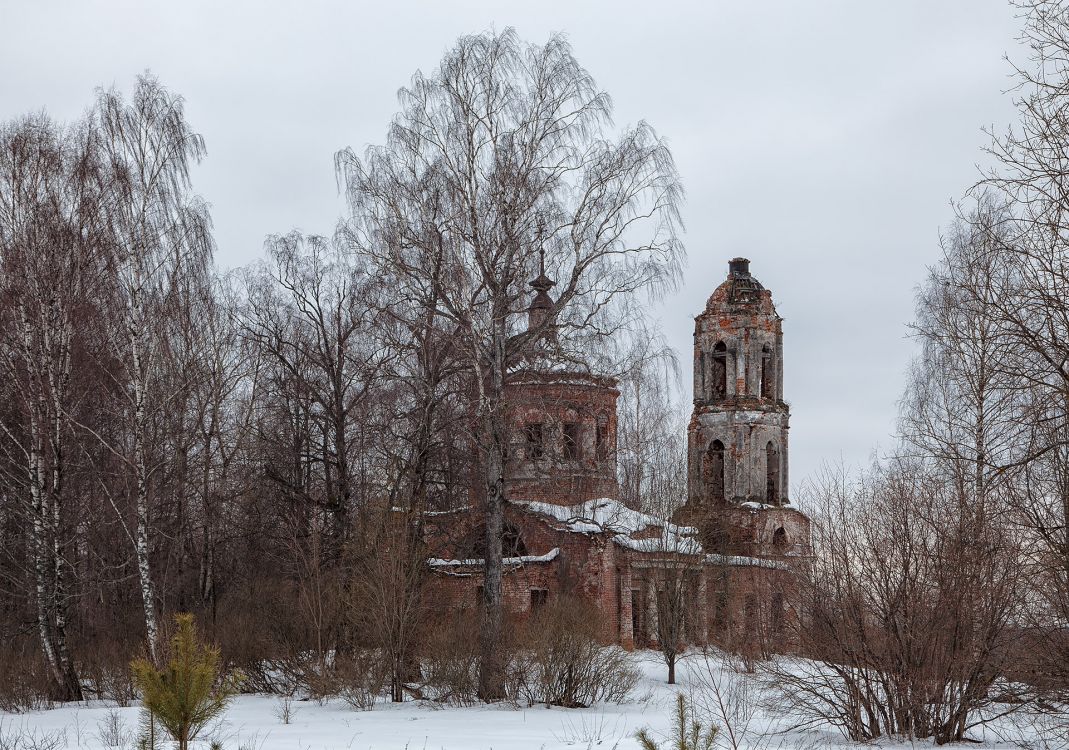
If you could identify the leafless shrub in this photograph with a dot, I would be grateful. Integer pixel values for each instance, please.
(273, 676)
(318, 676)
(590, 730)
(23, 684)
(253, 742)
(108, 675)
(451, 660)
(31, 738)
(1033, 729)
(117, 685)
(291, 673)
(284, 710)
(35, 739)
(78, 728)
(112, 731)
(10, 739)
(361, 678)
(388, 595)
(722, 689)
(567, 665)
(908, 602)
(321, 684)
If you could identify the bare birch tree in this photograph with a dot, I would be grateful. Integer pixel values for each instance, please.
(963, 409)
(1031, 175)
(651, 422)
(913, 599)
(500, 155)
(162, 236)
(52, 247)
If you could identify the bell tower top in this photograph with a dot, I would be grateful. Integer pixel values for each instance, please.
(737, 440)
(738, 342)
(738, 267)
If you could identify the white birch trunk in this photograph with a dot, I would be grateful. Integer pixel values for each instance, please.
(142, 544)
(48, 374)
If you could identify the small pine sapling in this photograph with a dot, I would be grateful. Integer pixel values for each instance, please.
(188, 693)
(148, 737)
(687, 731)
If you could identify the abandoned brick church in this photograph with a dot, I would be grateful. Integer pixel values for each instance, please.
(737, 535)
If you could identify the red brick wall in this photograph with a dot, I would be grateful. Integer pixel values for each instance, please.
(732, 604)
(584, 566)
(553, 400)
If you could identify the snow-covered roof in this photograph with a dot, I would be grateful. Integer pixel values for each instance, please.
(601, 515)
(437, 562)
(755, 506)
(666, 542)
(751, 505)
(607, 516)
(630, 529)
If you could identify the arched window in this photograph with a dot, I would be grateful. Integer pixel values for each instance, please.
(779, 540)
(714, 463)
(572, 448)
(779, 611)
(771, 474)
(534, 448)
(511, 542)
(768, 380)
(719, 375)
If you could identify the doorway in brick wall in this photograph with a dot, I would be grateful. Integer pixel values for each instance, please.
(636, 618)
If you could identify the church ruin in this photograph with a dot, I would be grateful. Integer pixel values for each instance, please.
(737, 536)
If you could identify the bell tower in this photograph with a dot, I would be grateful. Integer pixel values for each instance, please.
(737, 436)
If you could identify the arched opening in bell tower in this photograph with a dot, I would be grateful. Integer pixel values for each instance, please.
(719, 375)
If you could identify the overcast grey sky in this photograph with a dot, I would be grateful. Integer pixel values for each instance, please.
(822, 139)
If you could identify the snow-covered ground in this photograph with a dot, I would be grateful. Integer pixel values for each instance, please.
(252, 723)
